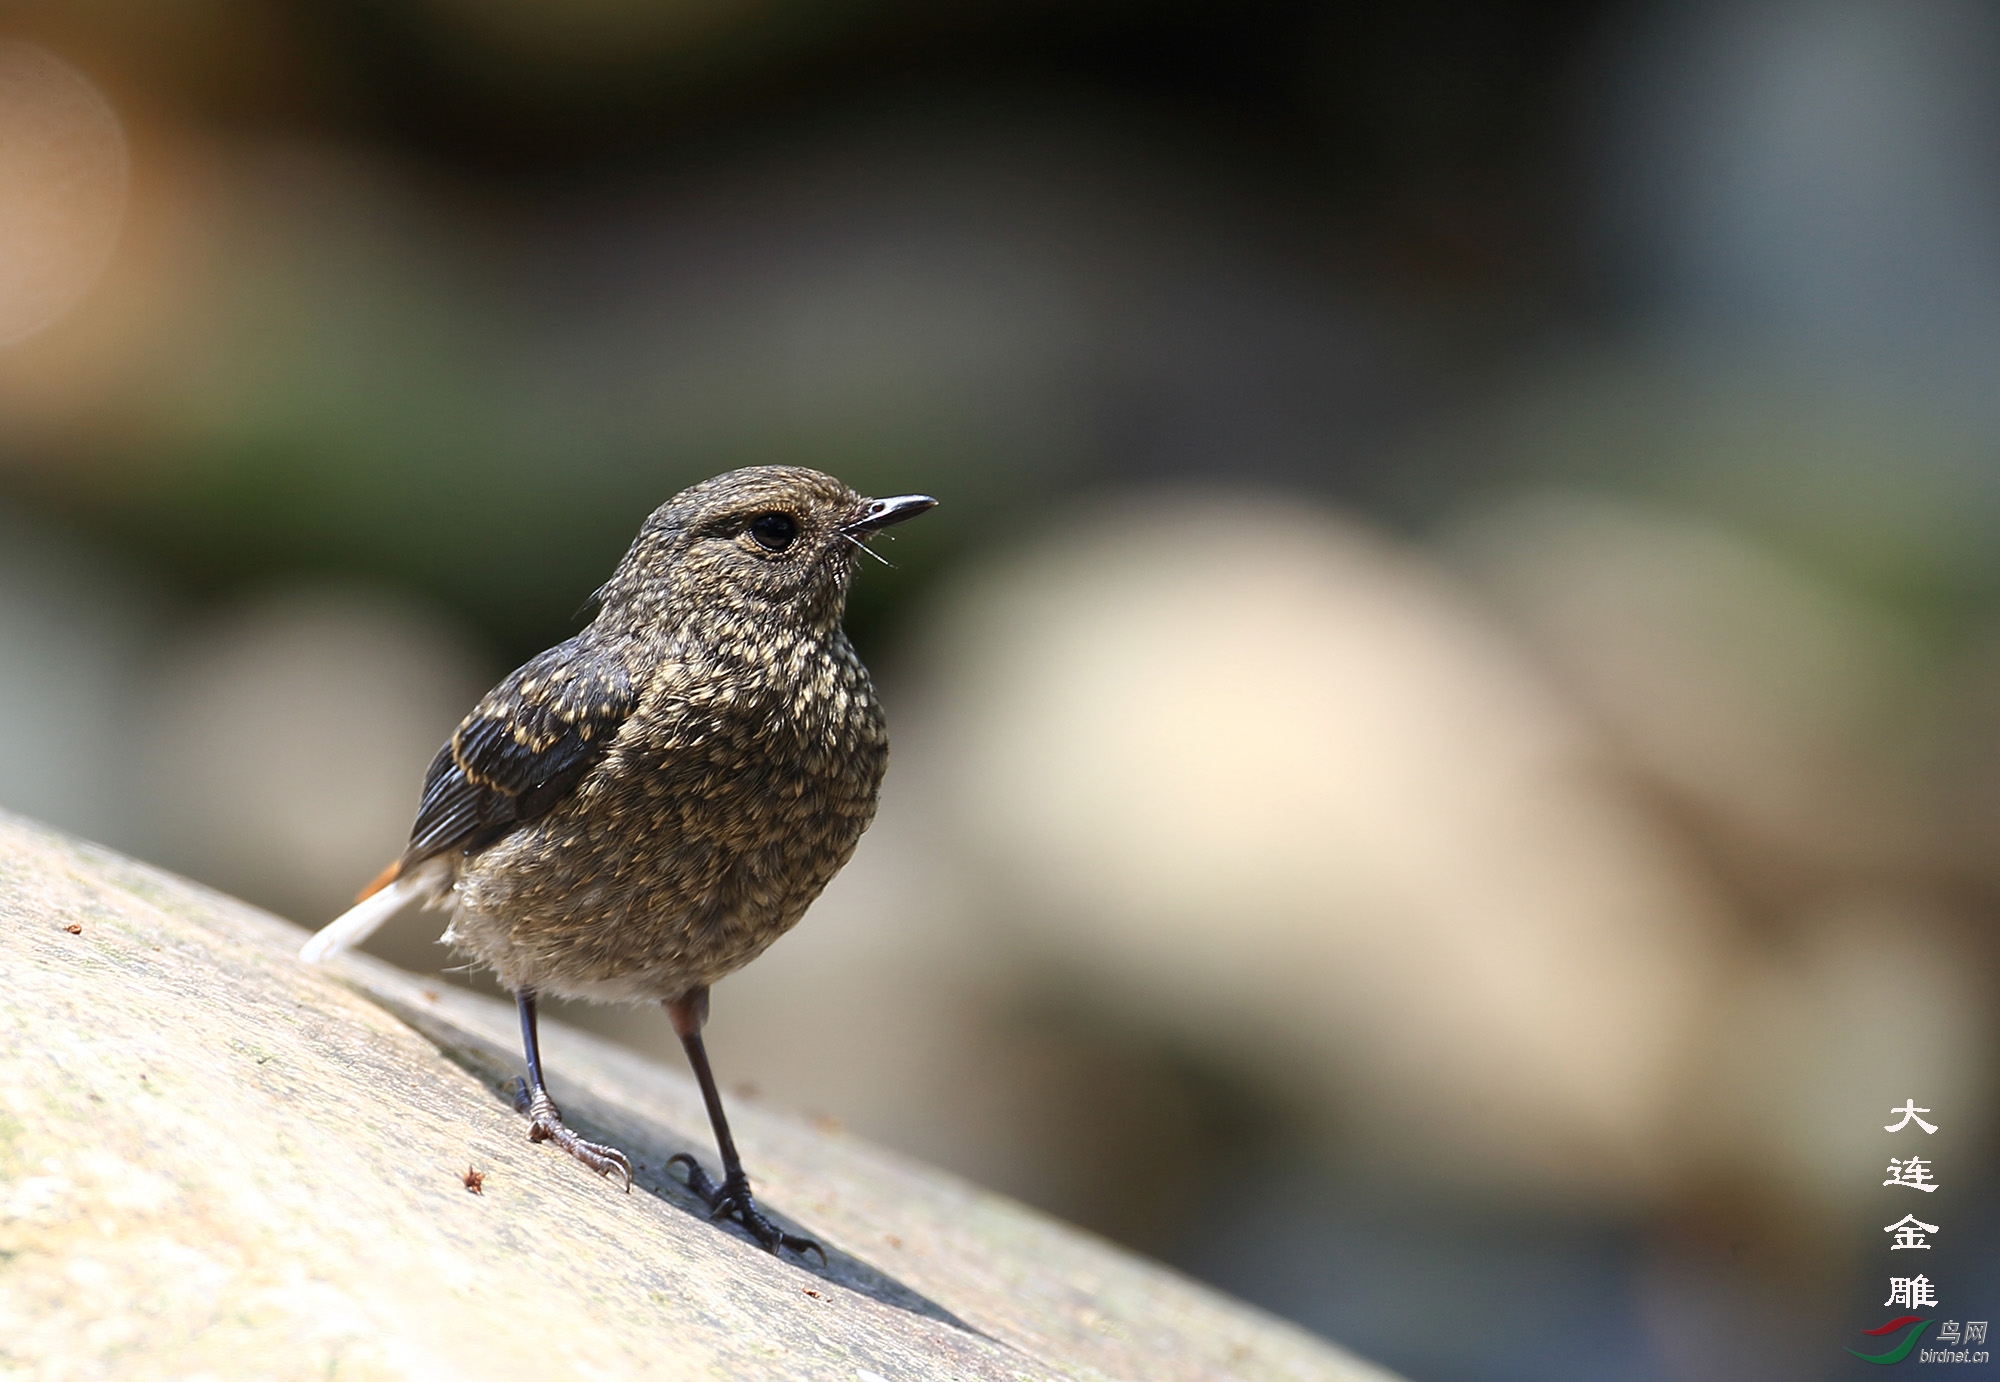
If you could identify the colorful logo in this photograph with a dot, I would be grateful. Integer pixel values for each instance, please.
(1900, 1351)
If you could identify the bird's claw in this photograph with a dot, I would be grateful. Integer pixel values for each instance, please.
(545, 1124)
(731, 1200)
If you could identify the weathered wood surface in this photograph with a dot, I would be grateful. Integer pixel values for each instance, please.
(216, 1162)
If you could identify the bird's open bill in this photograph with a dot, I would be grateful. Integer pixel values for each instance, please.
(885, 513)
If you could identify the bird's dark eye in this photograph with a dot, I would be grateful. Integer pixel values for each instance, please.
(774, 531)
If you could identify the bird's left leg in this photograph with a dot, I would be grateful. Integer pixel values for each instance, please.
(545, 1122)
(730, 1199)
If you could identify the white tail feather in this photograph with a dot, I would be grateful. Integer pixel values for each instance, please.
(360, 921)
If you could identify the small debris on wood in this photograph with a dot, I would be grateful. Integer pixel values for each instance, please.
(74, 929)
(814, 1294)
(430, 995)
(892, 1240)
(475, 1181)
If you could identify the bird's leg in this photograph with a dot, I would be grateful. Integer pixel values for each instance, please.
(545, 1122)
(730, 1199)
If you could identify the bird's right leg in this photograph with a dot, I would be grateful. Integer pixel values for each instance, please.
(729, 1199)
(545, 1122)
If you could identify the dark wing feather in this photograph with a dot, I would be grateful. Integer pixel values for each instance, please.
(522, 749)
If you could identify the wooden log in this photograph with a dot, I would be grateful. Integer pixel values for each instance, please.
(218, 1162)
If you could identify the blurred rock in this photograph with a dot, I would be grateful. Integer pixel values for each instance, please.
(77, 625)
(1248, 773)
(282, 743)
(1789, 717)
(1872, 999)
(1890, 495)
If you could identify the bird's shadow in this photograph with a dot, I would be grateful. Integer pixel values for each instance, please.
(650, 1147)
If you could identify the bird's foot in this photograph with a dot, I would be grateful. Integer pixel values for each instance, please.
(545, 1124)
(731, 1200)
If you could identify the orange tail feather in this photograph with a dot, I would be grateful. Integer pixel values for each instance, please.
(382, 880)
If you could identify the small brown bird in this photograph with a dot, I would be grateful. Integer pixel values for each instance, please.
(644, 808)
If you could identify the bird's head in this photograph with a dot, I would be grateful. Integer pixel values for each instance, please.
(751, 546)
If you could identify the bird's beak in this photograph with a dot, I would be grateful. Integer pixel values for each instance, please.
(878, 514)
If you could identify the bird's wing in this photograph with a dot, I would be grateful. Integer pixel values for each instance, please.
(522, 748)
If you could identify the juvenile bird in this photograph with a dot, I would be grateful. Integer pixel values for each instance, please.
(645, 807)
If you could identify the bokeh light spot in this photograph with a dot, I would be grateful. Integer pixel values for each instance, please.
(66, 171)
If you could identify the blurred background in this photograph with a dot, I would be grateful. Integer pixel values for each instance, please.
(1447, 730)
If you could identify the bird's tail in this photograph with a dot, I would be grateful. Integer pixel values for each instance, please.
(360, 921)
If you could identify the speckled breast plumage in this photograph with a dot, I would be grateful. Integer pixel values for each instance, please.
(720, 810)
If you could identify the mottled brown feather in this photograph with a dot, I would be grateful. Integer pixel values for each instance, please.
(645, 807)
